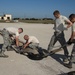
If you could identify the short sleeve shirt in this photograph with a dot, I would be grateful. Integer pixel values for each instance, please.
(13, 31)
(33, 39)
(73, 27)
(60, 23)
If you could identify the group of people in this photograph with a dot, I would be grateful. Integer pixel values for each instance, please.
(11, 34)
(61, 23)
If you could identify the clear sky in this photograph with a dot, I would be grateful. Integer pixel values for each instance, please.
(36, 8)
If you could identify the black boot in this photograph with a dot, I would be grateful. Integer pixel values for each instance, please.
(69, 42)
(65, 60)
(69, 65)
(3, 55)
(71, 73)
(9, 48)
(45, 54)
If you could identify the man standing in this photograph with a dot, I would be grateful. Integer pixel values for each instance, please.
(6, 32)
(71, 40)
(59, 28)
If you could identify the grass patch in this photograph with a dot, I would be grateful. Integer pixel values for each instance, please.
(38, 21)
(3, 21)
(30, 21)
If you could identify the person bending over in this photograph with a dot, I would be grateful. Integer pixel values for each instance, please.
(6, 32)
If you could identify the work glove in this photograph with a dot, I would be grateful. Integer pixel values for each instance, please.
(69, 42)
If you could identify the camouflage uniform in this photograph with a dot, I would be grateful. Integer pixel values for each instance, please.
(34, 45)
(72, 58)
(33, 48)
(7, 40)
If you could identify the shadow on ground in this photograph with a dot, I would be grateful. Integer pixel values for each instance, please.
(34, 57)
(38, 56)
(1, 46)
(69, 73)
(58, 57)
(63, 74)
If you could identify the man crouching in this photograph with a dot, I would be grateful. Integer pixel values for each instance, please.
(31, 42)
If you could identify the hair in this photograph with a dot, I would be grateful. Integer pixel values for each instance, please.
(72, 16)
(21, 29)
(26, 36)
(56, 12)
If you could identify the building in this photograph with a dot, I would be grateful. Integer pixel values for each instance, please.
(6, 17)
(0, 17)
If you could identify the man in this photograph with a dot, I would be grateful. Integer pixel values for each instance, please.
(72, 58)
(6, 32)
(59, 28)
(31, 41)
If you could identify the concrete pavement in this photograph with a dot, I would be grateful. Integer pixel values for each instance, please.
(17, 64)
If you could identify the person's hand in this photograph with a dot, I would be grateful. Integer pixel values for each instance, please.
(17, 47)
(69, 42)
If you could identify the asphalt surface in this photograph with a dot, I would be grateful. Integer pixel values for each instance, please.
(17, 64)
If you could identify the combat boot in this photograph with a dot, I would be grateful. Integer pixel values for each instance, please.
(9, 48)
(3, 55)
(69, 65)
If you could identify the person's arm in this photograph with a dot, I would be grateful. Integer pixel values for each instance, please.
(69, 23)
(26, 45)
(17, 40)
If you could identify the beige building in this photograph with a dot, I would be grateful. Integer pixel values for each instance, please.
(0, 17)
(6, 17)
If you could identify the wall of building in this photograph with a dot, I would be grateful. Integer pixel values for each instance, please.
(0, 17)
(6, 17)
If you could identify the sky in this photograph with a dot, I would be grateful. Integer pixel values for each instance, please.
(36, 8)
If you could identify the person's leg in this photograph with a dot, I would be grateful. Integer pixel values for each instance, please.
(69, 42)
(72, 58)
(9, 48)
(62, 41)
(52, 43)
(50, 46)
(6, 43)
(34, 48)
(73, 54)
(34, 45)
(69, 65)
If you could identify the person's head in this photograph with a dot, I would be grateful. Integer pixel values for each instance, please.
(20, 30)
(26, 37)
(72, 18)
(56, 14)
